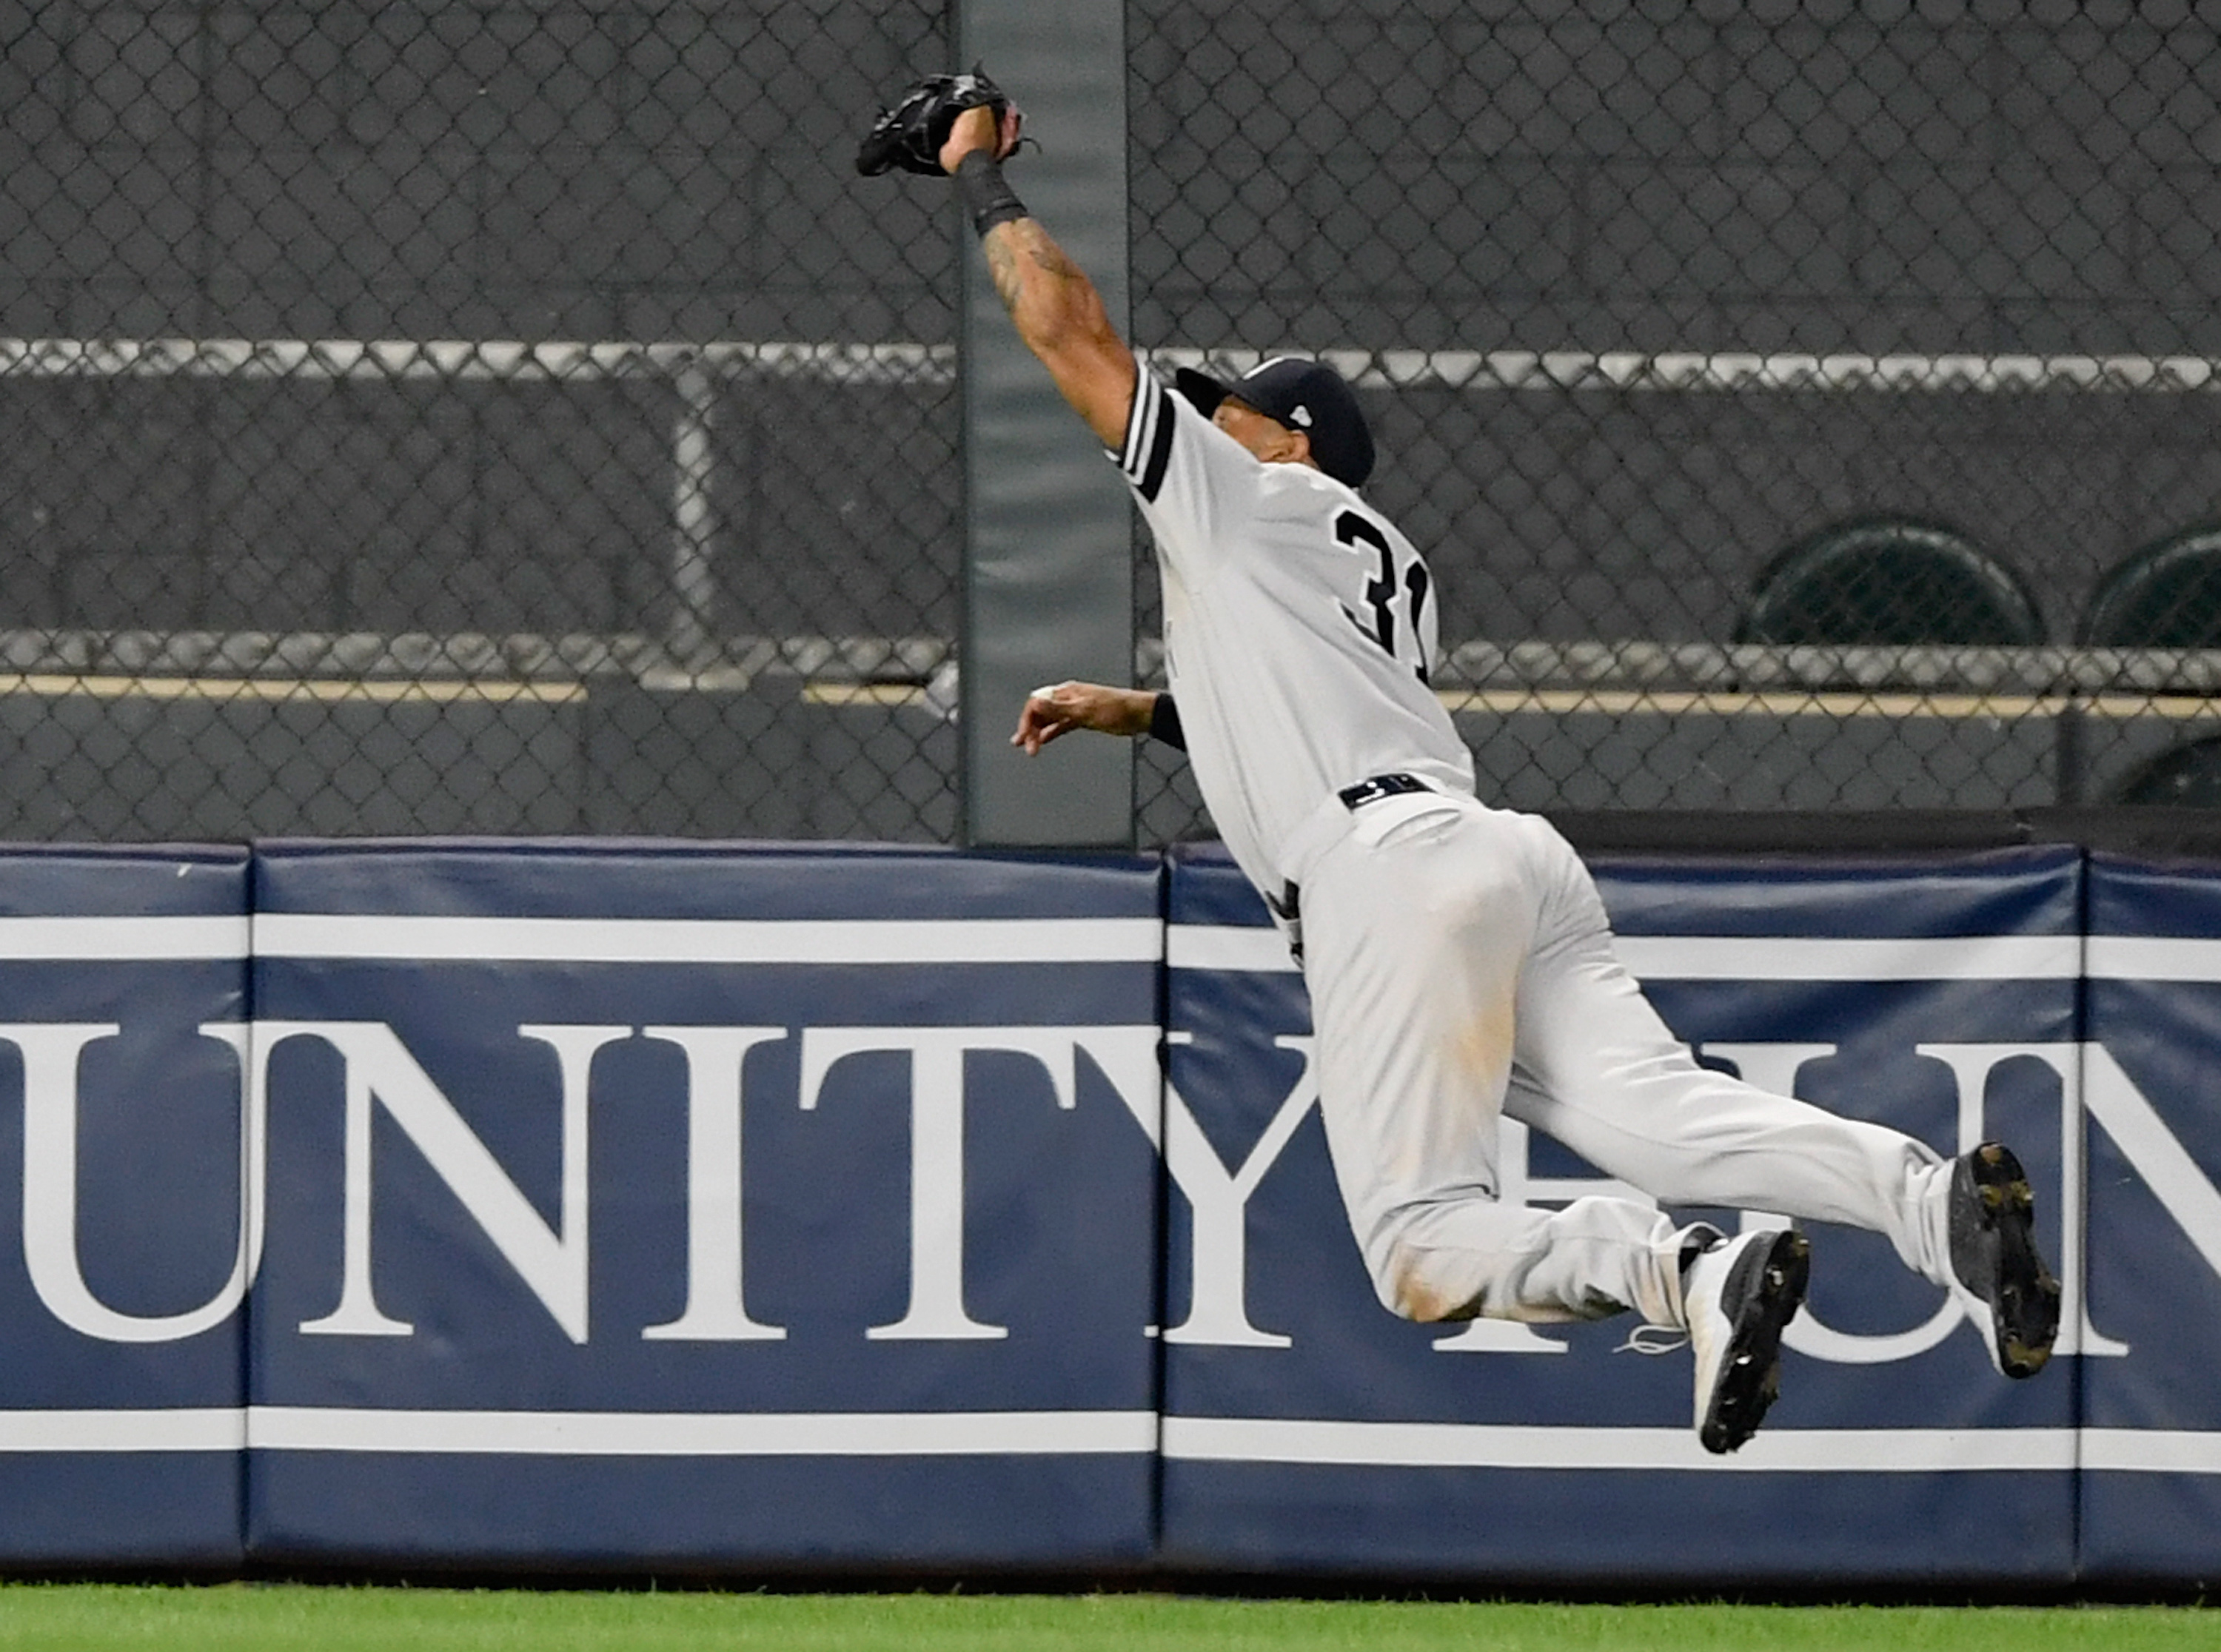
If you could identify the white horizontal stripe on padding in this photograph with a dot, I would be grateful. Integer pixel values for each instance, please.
(2151, 1451)
(710, 940)
(211, 1428)
(123, 940)
(1227, 946)
(1190, 1439)
(1738, 958)
(689, 1434)
(2153, 957)
(1466, 1445)
(1728, 957)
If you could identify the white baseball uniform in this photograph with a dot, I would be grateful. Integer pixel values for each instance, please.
(1458, 959)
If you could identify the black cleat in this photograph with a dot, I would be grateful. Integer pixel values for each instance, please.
(1998, 1275)
(1738, 1295)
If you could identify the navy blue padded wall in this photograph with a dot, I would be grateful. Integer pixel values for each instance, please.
(1308, 1431)
(2152, 1407)
(674, 1207)
(474, 1343)
(123, 1047)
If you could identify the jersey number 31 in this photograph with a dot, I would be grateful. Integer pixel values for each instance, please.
(1382, 590)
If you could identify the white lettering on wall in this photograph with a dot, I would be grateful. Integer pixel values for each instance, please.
(715, 1311)
(379, 1070)
(52, 1053)
(1218, 1203)
(551, 1258)
(937, 1162)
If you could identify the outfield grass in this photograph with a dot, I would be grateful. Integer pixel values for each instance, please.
(244, 1617)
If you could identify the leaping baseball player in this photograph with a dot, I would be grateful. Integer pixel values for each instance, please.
(1458, 959)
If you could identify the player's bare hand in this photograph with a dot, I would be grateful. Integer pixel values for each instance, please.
(1053, 712)
(977, 129)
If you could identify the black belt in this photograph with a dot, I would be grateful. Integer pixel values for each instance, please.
(1288, 906)
(1381, 786)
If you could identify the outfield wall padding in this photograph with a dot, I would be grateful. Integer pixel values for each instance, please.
(853, 1271)
(1366, 1444)
(743, 1210)
(2150, 1395)
(122, 1010)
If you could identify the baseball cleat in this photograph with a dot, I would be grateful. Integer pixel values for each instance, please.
(1998, 1274)
(1738, 1295)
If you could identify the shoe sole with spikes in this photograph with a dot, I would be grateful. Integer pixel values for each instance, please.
(2002, 1280)
(1740, 1296)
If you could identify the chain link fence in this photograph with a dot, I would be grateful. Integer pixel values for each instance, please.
(458, 417)
(1806, 406)
(512, 418)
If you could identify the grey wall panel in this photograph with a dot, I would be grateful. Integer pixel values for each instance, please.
(1050, 591)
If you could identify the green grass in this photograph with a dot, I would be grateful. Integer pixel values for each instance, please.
(247, 1617)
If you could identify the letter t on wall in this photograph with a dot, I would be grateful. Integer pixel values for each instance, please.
(936, 1168)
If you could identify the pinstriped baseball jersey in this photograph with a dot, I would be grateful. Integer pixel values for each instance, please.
(1299, 630)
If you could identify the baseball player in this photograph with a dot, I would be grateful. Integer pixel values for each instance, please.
(1457, 956)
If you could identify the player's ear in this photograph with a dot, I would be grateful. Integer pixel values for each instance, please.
(1280, 443)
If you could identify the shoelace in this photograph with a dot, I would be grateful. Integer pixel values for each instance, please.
(1654, 1339)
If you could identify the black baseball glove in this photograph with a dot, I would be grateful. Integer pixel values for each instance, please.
(910, 135)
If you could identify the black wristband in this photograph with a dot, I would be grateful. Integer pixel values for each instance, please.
(987, 196)
(1165, 723)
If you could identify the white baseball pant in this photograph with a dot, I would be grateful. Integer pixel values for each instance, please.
(1460, 966)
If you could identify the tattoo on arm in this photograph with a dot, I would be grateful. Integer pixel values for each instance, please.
(1017, 249)
(1003, 267)
(1059, 317)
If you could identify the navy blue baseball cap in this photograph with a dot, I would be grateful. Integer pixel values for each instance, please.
(1303, 395)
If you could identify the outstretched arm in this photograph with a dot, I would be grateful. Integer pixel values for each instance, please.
(1059, 314)
(1056, 710)
(1060, 708)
